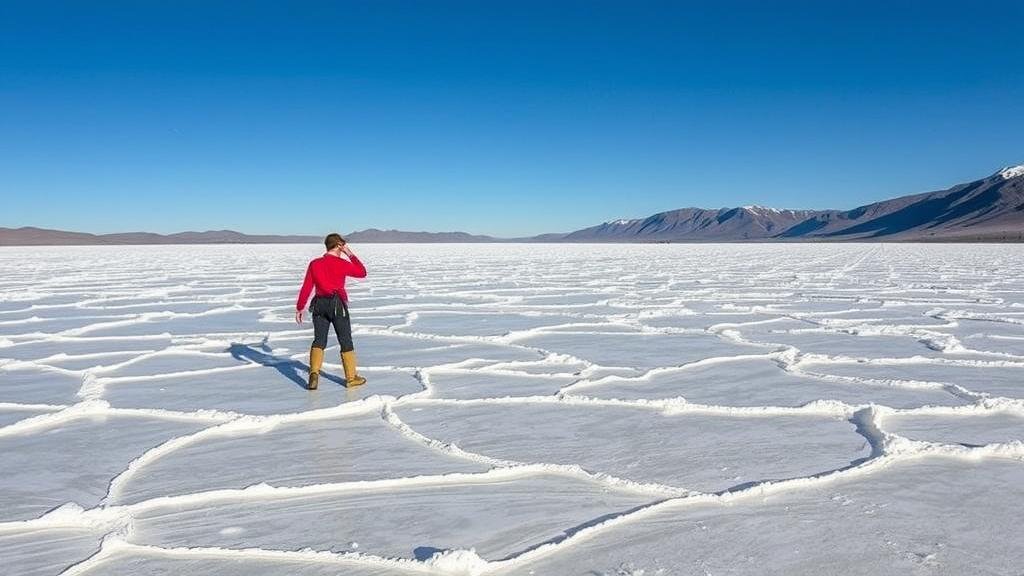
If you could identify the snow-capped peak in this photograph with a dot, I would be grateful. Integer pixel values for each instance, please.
(759, 209)
(1012, 172)
(622, 222)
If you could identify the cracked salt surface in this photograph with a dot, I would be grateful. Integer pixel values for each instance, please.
(918, 517)
(265, 389)
(37, 385)
(996, 378)
(644, 351)
(706, 452)
(971, 429)
(462, 383)
(479, 324)
(40, 346)
(497, 518)
(133, 562)
(331, 449)
(73, 460)
(39, 552)
(10, 416)
(530, 410)
(756, 382)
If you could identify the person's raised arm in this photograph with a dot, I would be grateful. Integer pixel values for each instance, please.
(356, 269)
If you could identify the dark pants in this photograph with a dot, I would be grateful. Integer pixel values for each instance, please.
(328, 310)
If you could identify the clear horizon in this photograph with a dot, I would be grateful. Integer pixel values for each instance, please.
(504, 119)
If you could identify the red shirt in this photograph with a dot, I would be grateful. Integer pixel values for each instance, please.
(327, 273)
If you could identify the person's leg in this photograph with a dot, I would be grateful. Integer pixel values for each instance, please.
(321, 325)
(343, 328)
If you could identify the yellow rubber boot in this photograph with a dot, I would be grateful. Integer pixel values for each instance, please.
(348, 361)
(316, 360)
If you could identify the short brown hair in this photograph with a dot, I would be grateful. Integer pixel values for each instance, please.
(333, 240)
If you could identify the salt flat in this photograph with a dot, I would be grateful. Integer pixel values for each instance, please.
(531, 409)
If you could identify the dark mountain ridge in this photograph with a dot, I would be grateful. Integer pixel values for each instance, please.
(990, 209)
(696, 224)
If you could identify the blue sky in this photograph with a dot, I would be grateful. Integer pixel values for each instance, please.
(508, 118)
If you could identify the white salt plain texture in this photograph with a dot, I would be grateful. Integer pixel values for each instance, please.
(531, 409)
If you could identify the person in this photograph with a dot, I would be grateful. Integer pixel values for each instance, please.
(330, 307)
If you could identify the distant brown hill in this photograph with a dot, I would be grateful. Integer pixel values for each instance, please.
(373, 235)
(30, 236)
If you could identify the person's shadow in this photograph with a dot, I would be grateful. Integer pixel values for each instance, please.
(291, 369)
(424, 553)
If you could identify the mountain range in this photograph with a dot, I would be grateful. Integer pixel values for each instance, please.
(990, 209)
